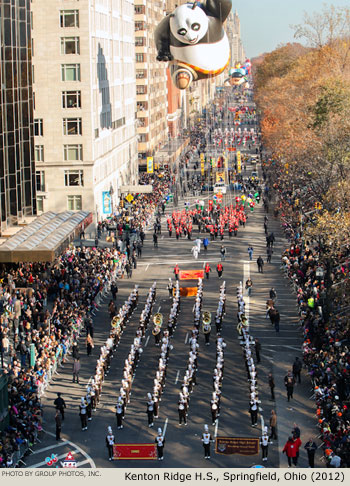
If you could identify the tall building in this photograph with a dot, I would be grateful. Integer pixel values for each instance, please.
(17, 170)
(85, 89)
(151, 80)
(233, 29)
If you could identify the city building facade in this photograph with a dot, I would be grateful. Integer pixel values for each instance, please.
(233, 30)
(84, 114)
(17, 171)
(151, 80)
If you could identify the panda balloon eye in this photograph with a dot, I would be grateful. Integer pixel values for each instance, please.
(182, 31)
(195, 26)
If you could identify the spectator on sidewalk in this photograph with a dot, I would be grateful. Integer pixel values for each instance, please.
(260, 263)
(76, 369)
(290, 449)
(58, 421)
(297, 367)
(114, 290)
(75, 350)
(257, 347)
(289, 382)
(269, 252)
(60, 404)
(273, 425)
(250, 252)
(223, 253)
(249, 286)
(272, 386)
(89, 345)
(311, 449)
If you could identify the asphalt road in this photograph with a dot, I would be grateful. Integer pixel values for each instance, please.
(183, 446)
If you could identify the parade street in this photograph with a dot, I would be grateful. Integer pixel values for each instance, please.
(183, 446)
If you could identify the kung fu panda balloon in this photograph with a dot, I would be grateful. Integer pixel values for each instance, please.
(193, 39)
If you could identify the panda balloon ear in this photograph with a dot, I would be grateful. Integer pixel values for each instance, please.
(194, 5)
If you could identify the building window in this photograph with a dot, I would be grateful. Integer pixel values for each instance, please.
(39, 153)
(40, 180)
(70, 45)
(140, 57)
(73, 178)
(140, 41)
(139, 9)
(71, 99)
(40, 204)
(69, 18)
(74, 203)
(118, 123)
(139, 25)
(140, 73)
(140, 90)
(38, 127)
(73, 152)
(72, 126)
(33, 77)
(70, 72)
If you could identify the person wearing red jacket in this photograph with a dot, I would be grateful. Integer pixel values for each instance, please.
(291, 449)
(176, 271)
(219, 269)
(207, 269)
(297, 443)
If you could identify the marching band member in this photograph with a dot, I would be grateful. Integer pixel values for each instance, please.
(206, 439)
(160, 441)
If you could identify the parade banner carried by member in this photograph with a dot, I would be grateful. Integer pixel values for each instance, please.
(188, 291)
(191, 274)
(134, 451)
(237, 445)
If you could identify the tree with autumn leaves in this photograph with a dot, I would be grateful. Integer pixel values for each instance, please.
(303, 94)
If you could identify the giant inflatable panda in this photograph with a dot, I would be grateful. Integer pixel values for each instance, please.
(193, 39)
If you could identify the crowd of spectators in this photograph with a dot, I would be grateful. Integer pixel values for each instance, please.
(326, 347)
(44, 308)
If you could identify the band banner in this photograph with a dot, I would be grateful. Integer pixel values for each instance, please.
(236, 445)
(134, 451)
(191, 274)
(188, 291)
(149, 165)
(239, 162)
